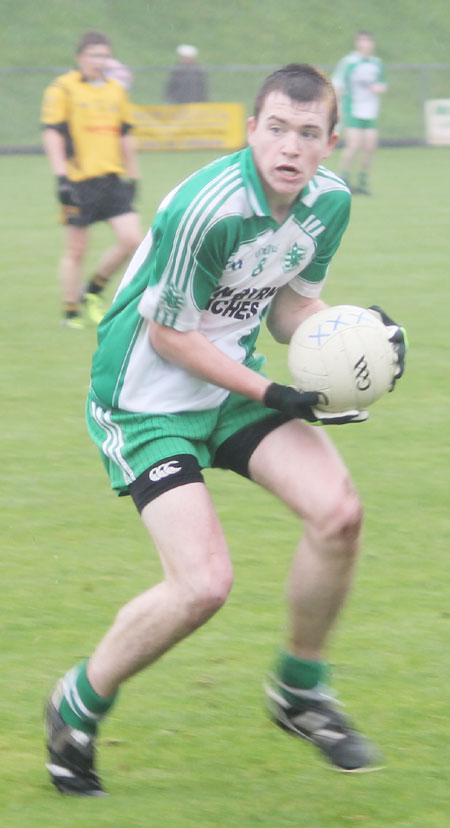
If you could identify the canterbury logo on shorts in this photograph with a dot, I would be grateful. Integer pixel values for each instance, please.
(178, 470)
(159, 472)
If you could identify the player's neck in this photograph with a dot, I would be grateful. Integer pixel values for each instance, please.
(280, 209)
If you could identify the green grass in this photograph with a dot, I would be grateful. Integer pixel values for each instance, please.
(189, 744)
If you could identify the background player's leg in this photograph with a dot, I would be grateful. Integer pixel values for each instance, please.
(349, 152)
(128, 235)
(370, 143)
(127, 231)
(71, 264)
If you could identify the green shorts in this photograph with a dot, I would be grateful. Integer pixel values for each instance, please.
(359, 123)
(130, 444)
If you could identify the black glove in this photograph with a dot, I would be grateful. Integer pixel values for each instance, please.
(130, 185)
(65, 190)
(302, 404)
(398, 337)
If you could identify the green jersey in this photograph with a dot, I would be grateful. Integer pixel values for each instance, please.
(212, 262)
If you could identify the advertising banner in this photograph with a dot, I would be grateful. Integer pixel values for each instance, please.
(218, 126)
(437, 122)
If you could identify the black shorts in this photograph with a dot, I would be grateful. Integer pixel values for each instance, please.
(98, 199)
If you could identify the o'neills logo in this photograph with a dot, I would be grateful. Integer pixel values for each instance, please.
(362, 375)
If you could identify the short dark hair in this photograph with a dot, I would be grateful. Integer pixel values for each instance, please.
(92, 38)
(303, 83)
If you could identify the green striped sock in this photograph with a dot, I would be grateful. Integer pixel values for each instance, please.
(362, 180)
(81, 707)
(298, 674)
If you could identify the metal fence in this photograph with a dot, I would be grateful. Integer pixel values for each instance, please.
(401, 121)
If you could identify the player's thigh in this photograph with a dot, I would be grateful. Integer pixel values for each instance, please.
(370, 139)
(300, 464)
(127, 229)
(76, 242)
(186, 531)
(353, 138)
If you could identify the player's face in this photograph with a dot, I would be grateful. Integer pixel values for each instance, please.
(365, 45)
(93, 61)
(289, 139)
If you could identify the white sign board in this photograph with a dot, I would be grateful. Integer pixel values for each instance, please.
(437, 122)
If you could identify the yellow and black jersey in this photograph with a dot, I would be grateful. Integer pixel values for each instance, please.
(91, 117)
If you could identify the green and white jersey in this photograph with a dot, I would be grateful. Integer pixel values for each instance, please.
(212, 262)
(353, 76)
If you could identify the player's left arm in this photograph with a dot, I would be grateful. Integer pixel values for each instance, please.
(127, 141)
(294, 302)
(379, 86)
(287, 311)
(129, 155)
(397, 336)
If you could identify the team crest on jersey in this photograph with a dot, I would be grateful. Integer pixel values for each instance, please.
(293, 257)
(172, 299)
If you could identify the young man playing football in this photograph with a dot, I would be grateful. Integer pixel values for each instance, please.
(177, 387)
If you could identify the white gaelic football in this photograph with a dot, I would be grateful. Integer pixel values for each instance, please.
(343, 352)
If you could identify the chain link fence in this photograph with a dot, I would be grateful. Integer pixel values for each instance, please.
(401, 121)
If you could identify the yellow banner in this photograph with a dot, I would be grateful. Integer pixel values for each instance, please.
(190, 126)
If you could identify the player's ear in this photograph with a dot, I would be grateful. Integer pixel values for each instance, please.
(332, 141)
(251, 126)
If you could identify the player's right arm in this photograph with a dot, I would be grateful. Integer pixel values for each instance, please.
(194, 353)
(55, 150)
(54, 117)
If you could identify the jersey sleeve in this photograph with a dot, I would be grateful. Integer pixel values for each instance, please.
(191, 256)
(311, 280)
(54, 110)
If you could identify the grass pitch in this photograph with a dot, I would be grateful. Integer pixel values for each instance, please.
(189, 744)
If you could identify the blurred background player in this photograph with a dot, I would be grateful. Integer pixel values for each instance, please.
(359, 81)
(86, 120)
(187, 79)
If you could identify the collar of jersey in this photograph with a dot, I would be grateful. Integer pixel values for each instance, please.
(83, 79)
(256, 194)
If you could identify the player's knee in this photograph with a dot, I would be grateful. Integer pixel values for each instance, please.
(207, 593)
(131, 242)
(74, 255)
(350, 518)
(341, 522)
